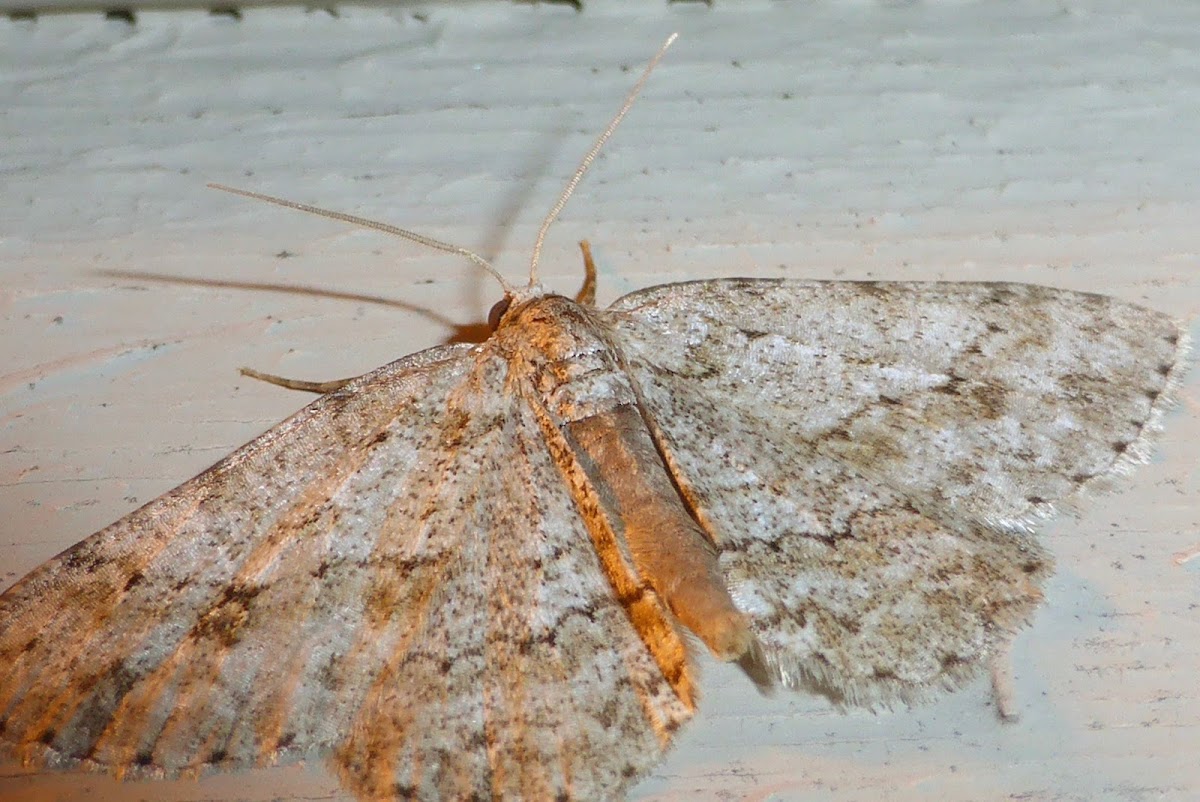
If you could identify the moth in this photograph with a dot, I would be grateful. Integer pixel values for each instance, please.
(485, 570)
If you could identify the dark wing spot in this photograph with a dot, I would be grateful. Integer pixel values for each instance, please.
(134, 580)
(224, 620)
(953, 386)
(952, 661)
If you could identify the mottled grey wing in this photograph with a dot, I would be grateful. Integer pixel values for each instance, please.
(869, 456)
(395, 573)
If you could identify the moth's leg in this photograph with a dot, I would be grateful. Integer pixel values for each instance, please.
(587, 293)
(296, 384)
(1187, 555)
(1000, 669)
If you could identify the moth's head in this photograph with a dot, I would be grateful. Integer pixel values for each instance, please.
(513, 300)
(499, 309)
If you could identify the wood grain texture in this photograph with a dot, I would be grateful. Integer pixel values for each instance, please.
(898, 143)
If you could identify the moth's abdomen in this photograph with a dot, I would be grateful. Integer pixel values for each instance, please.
(575, 370)
(671, 552)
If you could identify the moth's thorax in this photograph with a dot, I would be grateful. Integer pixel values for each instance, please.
(566, 353)
(569, 356)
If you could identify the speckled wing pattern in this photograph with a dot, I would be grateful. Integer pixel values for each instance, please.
(869, 457)
(396, 573)
(437, 575)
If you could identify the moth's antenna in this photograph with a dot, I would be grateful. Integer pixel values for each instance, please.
(421, 239)
(591, 156)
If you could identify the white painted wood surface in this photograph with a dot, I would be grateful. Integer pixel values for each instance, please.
(1025, 141)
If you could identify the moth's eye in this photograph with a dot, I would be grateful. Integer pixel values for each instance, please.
(497, 312)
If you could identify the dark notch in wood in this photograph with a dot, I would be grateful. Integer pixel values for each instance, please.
(575, 4)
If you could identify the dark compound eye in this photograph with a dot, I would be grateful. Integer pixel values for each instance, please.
(497, 313)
